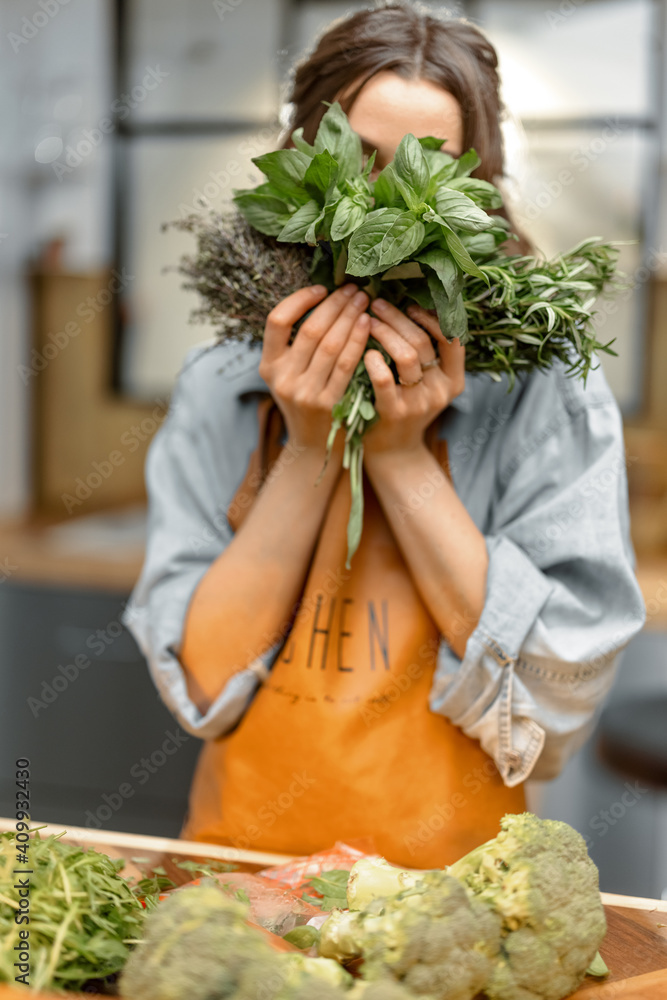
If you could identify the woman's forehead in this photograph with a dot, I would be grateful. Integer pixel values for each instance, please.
(389, 106)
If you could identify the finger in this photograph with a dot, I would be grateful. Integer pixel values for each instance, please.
(283, 316)
(452, 354)
(317, 325)
(404, 325)
(349, 358)
(328, 348)
(452, 363)
(384, 384)
(428, 319)
(404, 354)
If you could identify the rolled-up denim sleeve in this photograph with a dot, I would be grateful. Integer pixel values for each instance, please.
(562, 599)
(191, 477)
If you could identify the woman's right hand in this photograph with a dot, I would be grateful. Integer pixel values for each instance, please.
(308, 377)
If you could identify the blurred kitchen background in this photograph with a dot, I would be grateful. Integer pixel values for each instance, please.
(118, 115)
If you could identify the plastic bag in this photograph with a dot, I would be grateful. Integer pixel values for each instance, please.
(274, 907)
(297, 873)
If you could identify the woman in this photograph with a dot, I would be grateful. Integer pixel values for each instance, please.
(477, 631)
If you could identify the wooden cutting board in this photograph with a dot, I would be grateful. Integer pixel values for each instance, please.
(635, 948)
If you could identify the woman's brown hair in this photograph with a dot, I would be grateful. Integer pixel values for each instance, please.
(413, 43)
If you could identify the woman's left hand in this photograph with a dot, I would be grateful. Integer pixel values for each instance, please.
(407, 410)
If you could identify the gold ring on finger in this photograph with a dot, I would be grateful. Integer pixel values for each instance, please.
(409, 383)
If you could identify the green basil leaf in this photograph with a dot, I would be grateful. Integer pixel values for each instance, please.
(479, 243)
(300, 143)
(467, 163)
(430, 142)
(404, 237)
(385, 191)
(320, 177)
(410, 166)
(296, 228)
(452, 315)
(410, 269)
(442, 168)
(285, 169)
(461, 211)
(420, 294)
(407, 193)
(311, 232)
(265, 212)
(444, 266)
(462, 257)
(369, 165)
(335, 134)
(482, 193)
(348, 216)
(364, 246)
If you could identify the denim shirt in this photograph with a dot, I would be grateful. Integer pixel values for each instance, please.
(541, 471)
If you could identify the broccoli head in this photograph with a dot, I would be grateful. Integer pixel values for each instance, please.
(538, 877)
(430, 937)
(198, 946)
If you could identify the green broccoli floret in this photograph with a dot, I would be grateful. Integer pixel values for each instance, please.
(381, 989)
(295, 977)
(538, 877)
(375, 878)
(198, 946)
(301, 969)
(430, 937)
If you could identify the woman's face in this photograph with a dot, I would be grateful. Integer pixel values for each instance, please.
(388, 107)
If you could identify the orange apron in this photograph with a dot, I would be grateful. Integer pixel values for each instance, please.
(339, 742)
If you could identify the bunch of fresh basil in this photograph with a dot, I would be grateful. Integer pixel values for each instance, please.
(421, 231)
(420, 218)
